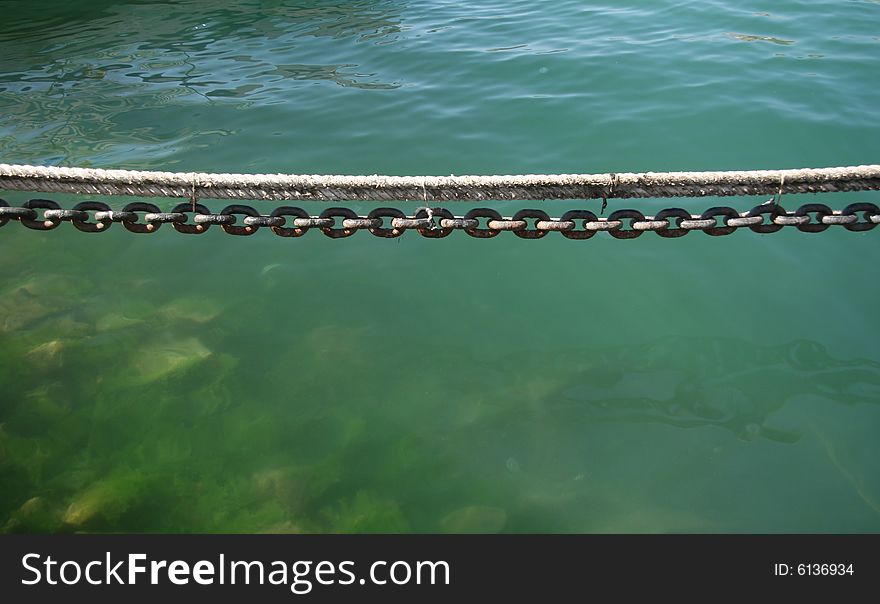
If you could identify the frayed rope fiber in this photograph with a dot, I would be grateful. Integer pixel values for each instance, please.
(203, 185)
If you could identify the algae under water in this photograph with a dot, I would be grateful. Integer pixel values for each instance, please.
(257, 384)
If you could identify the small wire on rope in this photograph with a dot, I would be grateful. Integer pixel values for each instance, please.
(779, 192)
(428, 210)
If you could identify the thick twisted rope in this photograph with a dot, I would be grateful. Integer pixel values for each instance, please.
(204, 185)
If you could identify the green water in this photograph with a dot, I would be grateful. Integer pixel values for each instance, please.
(175, 383)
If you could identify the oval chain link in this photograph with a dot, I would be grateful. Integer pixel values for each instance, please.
(437, 223)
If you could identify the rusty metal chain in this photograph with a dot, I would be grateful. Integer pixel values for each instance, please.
(484, 223)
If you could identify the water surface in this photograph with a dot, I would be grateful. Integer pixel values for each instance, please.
(215, 383)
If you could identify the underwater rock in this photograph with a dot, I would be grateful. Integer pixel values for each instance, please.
(39, 297)
(367, 513)
(277, 483)
(114, 322)
(49, 401)
(34, 516)
(49, 285)
(475, 519)
(293, 488)
(282, 528)
(166, 356)
(31, 505)
(105, 500)
(268, 481)
(213, 397)
(74, 477)
(48, 353)
(39, 410)
(191, 310)
(67, 327)
(19, 309)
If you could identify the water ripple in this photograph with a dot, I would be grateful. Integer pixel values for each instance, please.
(637, 71)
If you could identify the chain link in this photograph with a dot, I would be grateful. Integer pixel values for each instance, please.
(189, 218)
(48, 223)
(184, 226)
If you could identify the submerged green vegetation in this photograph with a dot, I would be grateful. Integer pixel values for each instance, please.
(155, 416)
(211, 383)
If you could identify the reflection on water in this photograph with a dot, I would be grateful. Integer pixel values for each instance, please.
(771, 39)
(340, 74)
(148, 84)
(95, 70)
(363, 20)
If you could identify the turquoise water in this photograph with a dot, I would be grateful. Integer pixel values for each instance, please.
(173, 383)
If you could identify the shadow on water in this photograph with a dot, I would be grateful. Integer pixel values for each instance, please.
(723, 382)
(593, 440)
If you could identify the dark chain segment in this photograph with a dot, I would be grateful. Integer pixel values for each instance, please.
(484, 223)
